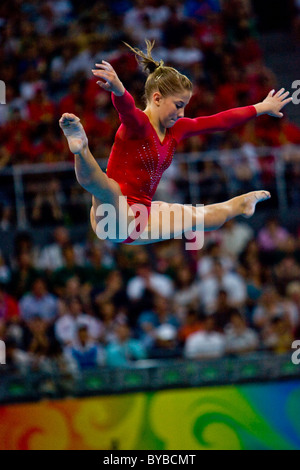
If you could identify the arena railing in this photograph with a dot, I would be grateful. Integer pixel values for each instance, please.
(21, 183)
(148, 375)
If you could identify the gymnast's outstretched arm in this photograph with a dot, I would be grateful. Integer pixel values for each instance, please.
(226, 120)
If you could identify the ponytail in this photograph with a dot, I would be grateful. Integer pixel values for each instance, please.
(146, 60)
(166, 80)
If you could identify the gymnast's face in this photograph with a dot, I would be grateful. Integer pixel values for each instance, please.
(171, 107)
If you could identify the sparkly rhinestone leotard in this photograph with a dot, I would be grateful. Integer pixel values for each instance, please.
(138, 157)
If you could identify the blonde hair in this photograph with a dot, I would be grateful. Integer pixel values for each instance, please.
(167, 80)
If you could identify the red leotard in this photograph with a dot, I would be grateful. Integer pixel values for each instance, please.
(138, 157)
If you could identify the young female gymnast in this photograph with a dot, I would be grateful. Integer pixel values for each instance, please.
(143, 149)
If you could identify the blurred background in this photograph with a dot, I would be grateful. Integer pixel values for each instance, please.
(141, 342)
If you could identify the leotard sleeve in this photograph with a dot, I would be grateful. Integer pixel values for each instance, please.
(133, 119)
(224, 121)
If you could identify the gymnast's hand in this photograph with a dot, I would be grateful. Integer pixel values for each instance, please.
(111, 81)
(273, 103)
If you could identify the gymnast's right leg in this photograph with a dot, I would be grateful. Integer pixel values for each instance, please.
(89, 175)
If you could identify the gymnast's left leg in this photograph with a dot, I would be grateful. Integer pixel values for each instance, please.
(216, 215)
(170, 220)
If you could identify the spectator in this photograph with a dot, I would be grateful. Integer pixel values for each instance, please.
(239, 338)
(149, 320)
(114, 291)
(37, 340)
(64, 66)
(280, 336)
(186, 291)
(205, 344)
(165, 345)
(134, 17)
(93, 325)
(39, 302)
(250, 254)
(50, 149)
(95, 271)
(235, 236)
(187, 54)
(23, 243)
(286, 271)
(17, 361)
(293, 295)
(124, 350)
(40, 108)
(72, 316)
(147, 280)
(9, 307)
(7, 212)
(232, 283)
(270, 306)
(255, 283)
(23, 275)
(223, 311)
(55, 363)
(73, 288)
(84, 353)
(212, 252)
(273, 237)
(47, 205)
(70, 269)
(110, 317)
(51, 256)
(191, 324)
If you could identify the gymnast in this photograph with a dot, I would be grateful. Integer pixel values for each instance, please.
(143, 149)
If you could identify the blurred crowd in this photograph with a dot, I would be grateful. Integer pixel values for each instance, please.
(47, 51)
(72, 306)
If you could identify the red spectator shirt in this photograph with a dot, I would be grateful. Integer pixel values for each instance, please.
(9, 307)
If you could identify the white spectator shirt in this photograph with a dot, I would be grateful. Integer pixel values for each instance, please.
(204, 345)
(160, 283)
(44, 307)
(186, 56)
(186, 296)
(281, 308)
(206, 264)
(234, 241)
(232, 283)
(66, 327)
(51, 257)
(248, 339)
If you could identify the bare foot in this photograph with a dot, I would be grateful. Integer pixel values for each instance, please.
(74, 132)
(250, 200)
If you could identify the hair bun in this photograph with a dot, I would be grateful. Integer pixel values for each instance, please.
(152, 66)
